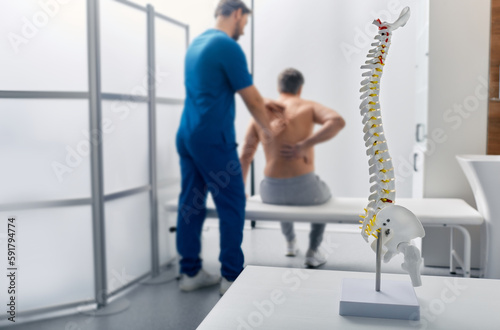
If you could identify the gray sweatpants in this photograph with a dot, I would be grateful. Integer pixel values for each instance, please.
(305, 189)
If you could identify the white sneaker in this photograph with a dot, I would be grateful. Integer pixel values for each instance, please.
(315, 258)
(200, 280)
(291, 248)
(224, 285)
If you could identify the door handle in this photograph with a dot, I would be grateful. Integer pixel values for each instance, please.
(419, 129)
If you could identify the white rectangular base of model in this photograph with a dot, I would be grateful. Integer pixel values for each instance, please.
(395, 300)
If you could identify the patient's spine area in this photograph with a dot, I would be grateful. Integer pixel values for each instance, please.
(381, 168)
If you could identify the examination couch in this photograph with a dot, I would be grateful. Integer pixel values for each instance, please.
(432, 212)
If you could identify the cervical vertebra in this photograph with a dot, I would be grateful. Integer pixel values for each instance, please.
(397, 225)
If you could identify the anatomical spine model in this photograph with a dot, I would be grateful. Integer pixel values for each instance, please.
(396, 225)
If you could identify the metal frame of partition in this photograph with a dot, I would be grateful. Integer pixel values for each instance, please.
(252, 70)
(83, 96)
(152, 142)
(96, 163)
(98, 198)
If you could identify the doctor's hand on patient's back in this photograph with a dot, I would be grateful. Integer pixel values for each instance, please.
(278, 120)
(262, 110)
(275, 107)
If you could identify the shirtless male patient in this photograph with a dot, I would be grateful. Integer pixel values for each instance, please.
(289, 177)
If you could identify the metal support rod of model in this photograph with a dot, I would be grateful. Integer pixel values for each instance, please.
(394, 223)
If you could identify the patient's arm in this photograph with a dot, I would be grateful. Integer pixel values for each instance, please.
(331, 123)
(249, 148)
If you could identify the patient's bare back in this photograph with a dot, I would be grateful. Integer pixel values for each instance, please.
(296, 125)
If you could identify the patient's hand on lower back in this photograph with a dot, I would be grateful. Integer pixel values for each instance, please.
(295, 151)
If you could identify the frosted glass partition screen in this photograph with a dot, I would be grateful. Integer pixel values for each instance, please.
(170, 52)
(45, 125)
(125, 146)
(54, 255)
(128, 240)
(166, 220)
(167, 122)
(30, 34)
(123, 49)
(45, 150)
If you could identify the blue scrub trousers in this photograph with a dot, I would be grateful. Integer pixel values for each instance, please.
(215, 168)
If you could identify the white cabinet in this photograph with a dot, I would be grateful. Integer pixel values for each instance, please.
(451, 104)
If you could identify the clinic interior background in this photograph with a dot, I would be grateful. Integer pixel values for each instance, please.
(427, 74)
(328, 41)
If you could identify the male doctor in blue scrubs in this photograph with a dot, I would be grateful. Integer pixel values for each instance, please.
(215, 69)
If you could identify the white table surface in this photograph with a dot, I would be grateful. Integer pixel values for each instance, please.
(307, 299)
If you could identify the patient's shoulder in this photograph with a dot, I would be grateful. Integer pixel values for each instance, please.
(307, 102)
(303, 105)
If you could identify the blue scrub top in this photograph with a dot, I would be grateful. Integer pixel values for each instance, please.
(215, 68)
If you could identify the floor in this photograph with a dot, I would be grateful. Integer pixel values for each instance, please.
(165, 307)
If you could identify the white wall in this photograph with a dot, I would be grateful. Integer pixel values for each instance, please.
(328, 41)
